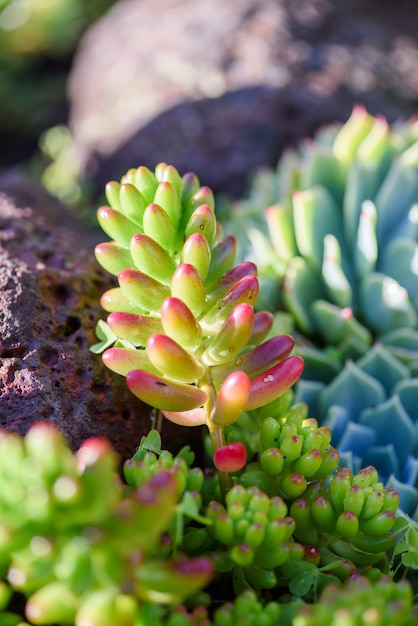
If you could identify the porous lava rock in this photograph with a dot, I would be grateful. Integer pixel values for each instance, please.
(220, 88)
(50, 285)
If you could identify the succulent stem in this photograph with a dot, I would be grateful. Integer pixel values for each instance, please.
(217, 435)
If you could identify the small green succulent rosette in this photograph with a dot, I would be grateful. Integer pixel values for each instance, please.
(360, 602)
(337, 254)
(77, 544)
(181, 325)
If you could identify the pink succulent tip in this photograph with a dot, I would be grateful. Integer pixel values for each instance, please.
(230, 458)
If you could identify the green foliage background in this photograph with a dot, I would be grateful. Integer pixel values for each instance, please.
(37, 43)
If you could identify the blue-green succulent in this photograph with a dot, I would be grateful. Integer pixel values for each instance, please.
(337, 252)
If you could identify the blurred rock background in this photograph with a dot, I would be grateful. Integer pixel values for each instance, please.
(218, 87)
(90, 88)
(221, 87)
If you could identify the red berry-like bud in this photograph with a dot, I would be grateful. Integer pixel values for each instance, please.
(312, 555)
(230, 458)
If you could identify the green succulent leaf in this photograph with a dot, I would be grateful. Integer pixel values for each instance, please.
(106, 335)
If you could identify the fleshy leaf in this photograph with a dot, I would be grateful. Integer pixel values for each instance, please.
(180, 324)
(187, 285)
(232, 399)
(335, 280)
(315, 216)
(274, 381)
(163, 394)
(260, 358)
(173, 360)
(116, 225)
(232, 337)
(124, 360)
(149, 257)
(133, 327)
(382, 419)
(113, 257)
(196, 251)
(144, 291)
(132, 202)
(352, 389)
(385, 304)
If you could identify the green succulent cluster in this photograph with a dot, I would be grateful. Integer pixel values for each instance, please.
(347, 517)
(82, 547)
(246, 610)
(337, 255)
(287, 499)
(359, 603)
(181, 321)
(77, 544)
(292, 452)
(255, 534)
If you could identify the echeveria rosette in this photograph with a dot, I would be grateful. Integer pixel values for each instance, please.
(182, 318)
(341, 235)
(80, 546)
(342, 242)
(371, 409)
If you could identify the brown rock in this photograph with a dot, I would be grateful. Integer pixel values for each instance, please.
(221, 87)
(50, 285)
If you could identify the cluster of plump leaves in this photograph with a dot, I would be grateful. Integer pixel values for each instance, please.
(291, 502)
(77, 543)
(292, 452)
(360, 603)
(347, 517)
(181, 322)
(337, 252)
(247, 609)
(81, 546)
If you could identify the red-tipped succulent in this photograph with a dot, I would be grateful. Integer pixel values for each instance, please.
(181, 324)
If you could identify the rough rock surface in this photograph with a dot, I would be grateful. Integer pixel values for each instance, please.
(50, 285)
(221, 87)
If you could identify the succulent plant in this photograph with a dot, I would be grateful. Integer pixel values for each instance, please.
(80, 546)
(248, 610)
(337, 255)
(345, 518)
(342, 230)
(181, 322)
(359, 604)
(370, 407)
